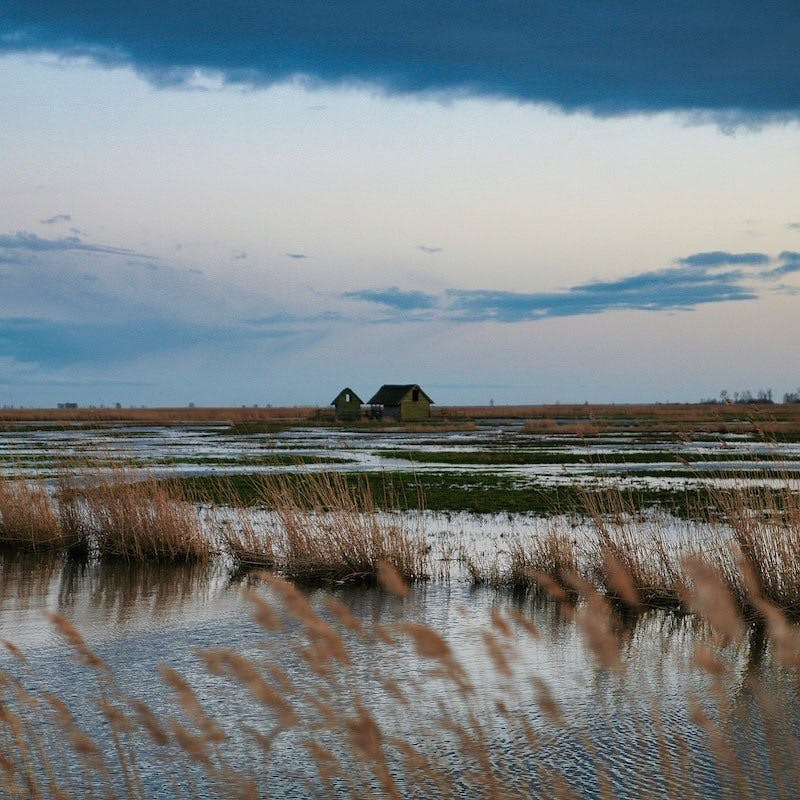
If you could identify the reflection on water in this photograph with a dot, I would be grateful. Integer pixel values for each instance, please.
(109, 598)
(635, 728)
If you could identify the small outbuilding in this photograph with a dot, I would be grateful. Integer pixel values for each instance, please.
(347, 405)
(405, 402)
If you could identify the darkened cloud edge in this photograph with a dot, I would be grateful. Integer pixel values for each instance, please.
(394, 298)
(605, 58)
(23, 241)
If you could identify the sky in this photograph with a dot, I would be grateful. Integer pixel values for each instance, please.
(262, 201)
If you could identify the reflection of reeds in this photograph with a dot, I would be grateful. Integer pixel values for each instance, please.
(439, 725)
(26, 578)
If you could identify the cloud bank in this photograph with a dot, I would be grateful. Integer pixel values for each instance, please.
(58, 308)
(698, 279)
(605, 57)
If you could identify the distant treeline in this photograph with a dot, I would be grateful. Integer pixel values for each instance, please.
(746, 396)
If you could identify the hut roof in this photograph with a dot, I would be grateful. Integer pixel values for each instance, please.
(390, 394)
(345, 390)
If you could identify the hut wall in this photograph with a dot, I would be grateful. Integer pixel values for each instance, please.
(413, 410)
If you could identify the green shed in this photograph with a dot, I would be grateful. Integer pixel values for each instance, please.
(347, 404)
(405, 402)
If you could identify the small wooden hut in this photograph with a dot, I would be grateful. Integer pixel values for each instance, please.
(406, 402)
(347, 405)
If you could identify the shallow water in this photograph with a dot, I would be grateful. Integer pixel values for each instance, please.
(138, 617)
(635, 723)
(193, 450)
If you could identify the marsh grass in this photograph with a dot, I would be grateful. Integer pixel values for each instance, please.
(337, 727)
(132, 519)
(250, 544)
(335, 528)
(764, 524)
(314, 528)
(28, 517)
(748, 533)
(331, 531)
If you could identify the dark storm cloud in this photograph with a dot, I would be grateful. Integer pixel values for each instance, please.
(55, 219)
(735, 57)
(30, 242)
(699, 279)
(395, 298)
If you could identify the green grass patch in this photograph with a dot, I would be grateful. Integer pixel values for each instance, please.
(511, 457)
(478, 493)
(254, 427)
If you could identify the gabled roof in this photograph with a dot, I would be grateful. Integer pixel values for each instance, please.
(345, 390)
(390, 394)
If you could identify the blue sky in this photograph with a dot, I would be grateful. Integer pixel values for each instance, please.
(259, 202)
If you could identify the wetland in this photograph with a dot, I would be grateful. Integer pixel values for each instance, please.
(572, 605)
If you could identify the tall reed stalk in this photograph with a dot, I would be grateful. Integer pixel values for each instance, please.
(331, 531)
(28, 517)
(335, 729)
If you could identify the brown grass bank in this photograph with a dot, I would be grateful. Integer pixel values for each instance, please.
(765, 420)
(159, 416)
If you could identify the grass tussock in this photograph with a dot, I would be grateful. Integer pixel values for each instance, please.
(445, 724)
(764, 525)
(248, 543)
(750, 538)
(330, 530)
(135, 520)
(28, 517)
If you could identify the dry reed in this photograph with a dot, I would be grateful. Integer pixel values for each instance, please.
(28, 517)
(331, 531)
(138, 520)
(477, 743)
